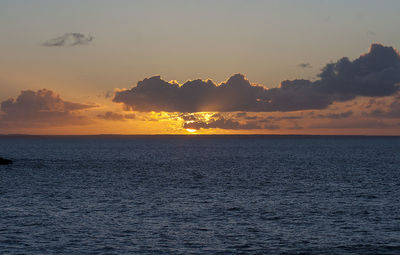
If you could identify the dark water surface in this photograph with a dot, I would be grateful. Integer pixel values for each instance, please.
(200, 195)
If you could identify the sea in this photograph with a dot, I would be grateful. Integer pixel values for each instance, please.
(200, 195)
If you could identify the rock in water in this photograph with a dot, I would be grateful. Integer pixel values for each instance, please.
(4, 161)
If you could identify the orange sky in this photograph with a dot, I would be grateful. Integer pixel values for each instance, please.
(350, 118)
(225, 67)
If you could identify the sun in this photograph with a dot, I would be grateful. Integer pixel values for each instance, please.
(190, 130)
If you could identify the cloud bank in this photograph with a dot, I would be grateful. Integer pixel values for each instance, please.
(42, 107)
(374, 74)
(69, 39)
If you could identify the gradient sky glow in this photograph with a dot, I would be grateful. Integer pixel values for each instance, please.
(267, 41)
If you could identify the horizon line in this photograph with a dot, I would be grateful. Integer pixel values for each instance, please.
(195, 135)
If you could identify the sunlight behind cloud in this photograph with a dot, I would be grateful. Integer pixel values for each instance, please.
(191, 130)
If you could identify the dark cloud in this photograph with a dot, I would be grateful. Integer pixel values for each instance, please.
(272, 122)
(111, 116)
(374, 102)
(282, 118)
(155, 94)
(224, 121)
(109, 94)
(296, 126)
(355, 124)
(221, 123)
(241, 114)
(69, 39)
(246, 116)
(42, 107)
(304, 65)
(130, 116)
(340, 115)
(116, 116)
(189, 117)
(390, 111)
(375, 74)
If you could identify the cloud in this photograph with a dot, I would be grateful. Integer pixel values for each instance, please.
(155, 94)
(295, 126)
(374, 74)
(297, 117)
(116, 116)
(356, 124)
(222, 123)
(246, 116)
(392, 110)
(340, 115)
(304, 65)
(69, 39)
(111, 116)
(109, 94)
(42, 107)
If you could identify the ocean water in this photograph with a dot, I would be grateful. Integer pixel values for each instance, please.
(200, 195)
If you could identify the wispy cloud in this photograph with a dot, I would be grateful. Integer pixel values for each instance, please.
(69, 40)
(304, 65)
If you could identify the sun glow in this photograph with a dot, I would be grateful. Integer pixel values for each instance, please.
(190, 130)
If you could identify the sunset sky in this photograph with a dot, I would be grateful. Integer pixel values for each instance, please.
(201, 67)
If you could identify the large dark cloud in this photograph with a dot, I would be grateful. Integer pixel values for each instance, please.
(374, 74)
(69, 39)
(155, 94)
(42, 107)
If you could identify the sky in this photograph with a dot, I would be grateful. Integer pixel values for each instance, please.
(199, 67)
